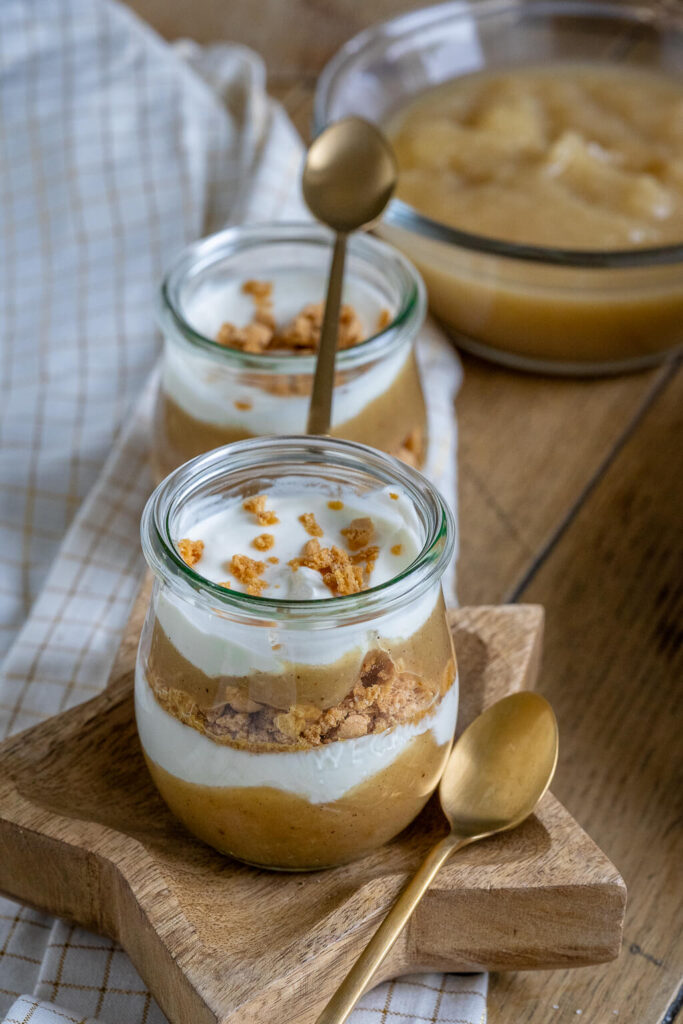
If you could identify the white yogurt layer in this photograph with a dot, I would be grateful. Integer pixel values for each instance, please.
(320, 775)
(219, 646)
(208, 391)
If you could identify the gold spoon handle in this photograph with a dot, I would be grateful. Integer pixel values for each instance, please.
(320, 410)
(357, 980)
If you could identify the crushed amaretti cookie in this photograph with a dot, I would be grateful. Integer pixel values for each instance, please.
(383, 696)
(310, 525)
(259, 290)
(359, 533)
(264, 542)
(383, 320)
(248, 571)
(252, 338)
(257, 505)
(190, 550)
(334, 565)
(302, 333)
(366, 557)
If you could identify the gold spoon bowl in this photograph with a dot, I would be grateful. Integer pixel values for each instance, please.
(349, 176)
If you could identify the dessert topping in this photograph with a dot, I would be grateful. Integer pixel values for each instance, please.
(334, 565)
(300, 335)
(383, 320)
(190, 550)
(310, 525)
(359, 533)
(264, 542)
(248, 571)
(257, 505)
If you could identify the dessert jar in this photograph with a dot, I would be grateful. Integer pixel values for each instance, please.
(211, 394)
(296, 733)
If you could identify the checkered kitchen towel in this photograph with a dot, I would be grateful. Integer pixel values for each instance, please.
(115, 150)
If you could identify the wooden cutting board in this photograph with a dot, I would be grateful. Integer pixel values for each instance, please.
(84, 835)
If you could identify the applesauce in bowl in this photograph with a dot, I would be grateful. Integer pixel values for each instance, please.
(540, 149)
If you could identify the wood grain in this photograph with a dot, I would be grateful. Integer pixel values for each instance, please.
(84, 835)
(613, 669)
(529, 449)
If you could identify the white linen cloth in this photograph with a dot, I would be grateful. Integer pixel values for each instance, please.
(117, 149)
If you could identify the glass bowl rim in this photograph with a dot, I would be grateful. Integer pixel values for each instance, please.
(426, 568)
(401, 215)
(229, 241)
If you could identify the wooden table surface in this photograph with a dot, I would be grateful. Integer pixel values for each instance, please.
(571, 495)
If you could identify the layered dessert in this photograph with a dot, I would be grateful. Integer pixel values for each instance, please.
(299, 736)
(561, 158)
(240, 352)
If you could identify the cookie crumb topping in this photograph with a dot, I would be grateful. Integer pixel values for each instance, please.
(264, 542)
(190, 550)
(359, 533)
(334, 565)
(300, 336)
(257, 505)
(248, 571)
(310, 524)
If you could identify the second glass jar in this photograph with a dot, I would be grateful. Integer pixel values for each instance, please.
(211, 395)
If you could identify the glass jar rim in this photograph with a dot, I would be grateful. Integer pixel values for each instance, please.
(206, 251)
(168, 566)
(402, 215)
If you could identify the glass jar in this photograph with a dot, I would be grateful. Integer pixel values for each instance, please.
(295, 734)
(211, 395)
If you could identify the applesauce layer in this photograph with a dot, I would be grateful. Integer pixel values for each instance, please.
(268, 827)
(424, 653)
(394, 422)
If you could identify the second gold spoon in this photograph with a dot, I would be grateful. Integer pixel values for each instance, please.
(349, 176)
(497, 772)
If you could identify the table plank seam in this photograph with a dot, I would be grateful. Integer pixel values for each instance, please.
(661, 384)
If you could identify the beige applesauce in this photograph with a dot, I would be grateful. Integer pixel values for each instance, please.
(568, 156)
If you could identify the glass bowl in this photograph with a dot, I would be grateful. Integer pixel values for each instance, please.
(530, 307)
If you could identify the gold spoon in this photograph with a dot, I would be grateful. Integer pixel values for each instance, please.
(497, 772)
(349, 176)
